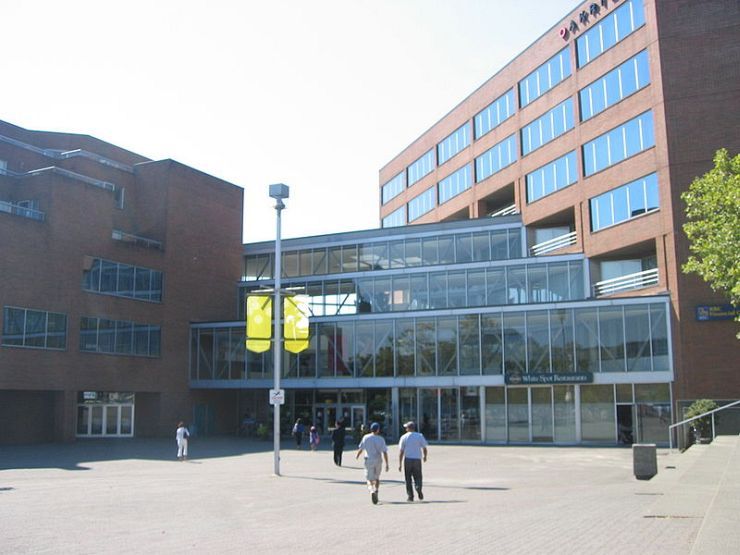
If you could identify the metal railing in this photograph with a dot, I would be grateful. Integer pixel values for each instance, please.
(637, 280)
(507, 211)
(119, 235)
(16, 210)
(553, 244)
(688, 420)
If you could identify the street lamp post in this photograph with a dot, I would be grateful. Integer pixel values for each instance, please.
(279, 192)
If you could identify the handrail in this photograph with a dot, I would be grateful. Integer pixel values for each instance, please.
(723, 407)
(625, 282)
(506, 211)
(553, 244)
(17, 210)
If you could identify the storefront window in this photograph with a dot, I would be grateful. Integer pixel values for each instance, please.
(470, 413)
(564, 397)
(495, 412)
(597, 413)
(518, 414)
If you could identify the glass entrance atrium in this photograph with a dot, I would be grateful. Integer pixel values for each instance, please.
(456, 324)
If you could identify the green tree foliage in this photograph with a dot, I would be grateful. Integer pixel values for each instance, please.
(713, 227)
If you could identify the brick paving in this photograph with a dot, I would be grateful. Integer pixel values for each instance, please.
(133, 496)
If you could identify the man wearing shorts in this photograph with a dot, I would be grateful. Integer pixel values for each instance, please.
(375, 451)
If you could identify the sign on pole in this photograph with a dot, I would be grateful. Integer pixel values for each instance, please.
(295, 323)
(277, 396)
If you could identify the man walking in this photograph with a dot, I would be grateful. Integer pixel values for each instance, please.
(411, 447)
(374, 446)
(337, 438)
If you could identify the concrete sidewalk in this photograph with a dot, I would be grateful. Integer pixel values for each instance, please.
(132, 496)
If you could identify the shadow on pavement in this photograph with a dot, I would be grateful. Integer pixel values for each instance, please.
(72, 456)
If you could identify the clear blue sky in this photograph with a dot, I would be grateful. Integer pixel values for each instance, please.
(318, 94)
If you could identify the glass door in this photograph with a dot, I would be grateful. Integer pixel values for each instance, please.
(358, 416)
(105, 420)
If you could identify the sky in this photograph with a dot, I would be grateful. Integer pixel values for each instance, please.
(316, 94)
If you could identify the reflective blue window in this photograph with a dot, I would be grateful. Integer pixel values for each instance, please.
(548, 126)
(394, 187)
(614, 86)
(421, 204)
(421, 167)
(454, 184)
(625, 202)
(494, 114)
(609, 31)
(545, 77)
(395, 218)
(495, 158)
(622, 142)
(552, 177)
(453, 144)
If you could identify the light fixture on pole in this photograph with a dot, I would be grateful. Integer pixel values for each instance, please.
(278, 191)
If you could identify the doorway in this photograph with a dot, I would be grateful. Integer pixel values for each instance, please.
(625, 424)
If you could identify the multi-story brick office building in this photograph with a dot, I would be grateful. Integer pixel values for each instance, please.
(585, 330)
(105, 258)
(591, 134)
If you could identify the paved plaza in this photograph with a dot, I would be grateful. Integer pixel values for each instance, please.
(124, 496)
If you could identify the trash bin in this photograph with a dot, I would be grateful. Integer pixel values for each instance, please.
(644, 460)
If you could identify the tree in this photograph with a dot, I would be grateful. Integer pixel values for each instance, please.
(713, 226)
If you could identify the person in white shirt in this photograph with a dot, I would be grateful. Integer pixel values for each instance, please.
(181, 436)
(374, 447)
(412, 447)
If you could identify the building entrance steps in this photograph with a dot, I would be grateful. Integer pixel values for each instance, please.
(701, 483)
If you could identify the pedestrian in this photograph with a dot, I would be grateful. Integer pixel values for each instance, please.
(374, 447)
(337, 439)
(411, 448)
(181, 437)
(298, 433)
(313, 438)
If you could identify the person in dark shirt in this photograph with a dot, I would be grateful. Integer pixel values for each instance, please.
(337, 438)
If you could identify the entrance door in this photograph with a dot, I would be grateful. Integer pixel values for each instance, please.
(358, 416)
(625, 424)
(105, 420)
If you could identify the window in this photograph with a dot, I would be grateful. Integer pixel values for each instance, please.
(454, 184)
(550, 125)
(394, 187)
(421, 167)
(119, 337)
(552, 177)
(395, 218)
(123, 280)
(619, 83)
(422, 204)
(625, 202)
(494, 114)
(24, 327)
(545, 77)
(453, 144)
(618, 144)
(609, 31)
(496, 158)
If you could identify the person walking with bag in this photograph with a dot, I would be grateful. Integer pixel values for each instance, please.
(412, 447)
(181, 437)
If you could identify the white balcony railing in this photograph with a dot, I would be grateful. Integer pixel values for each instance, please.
(553, 244)
(508, 211)
(637, 280)
(22, 211)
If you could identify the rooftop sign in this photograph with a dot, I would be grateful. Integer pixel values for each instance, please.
(584, 18)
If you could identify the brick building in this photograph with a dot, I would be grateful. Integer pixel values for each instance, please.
(591, 134)
(101, 253)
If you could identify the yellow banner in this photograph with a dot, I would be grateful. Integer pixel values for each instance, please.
(295, 323)
(259, 323)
